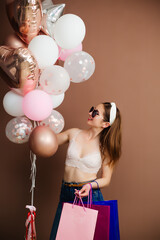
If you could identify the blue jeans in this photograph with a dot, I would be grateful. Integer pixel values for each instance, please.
(67, 195)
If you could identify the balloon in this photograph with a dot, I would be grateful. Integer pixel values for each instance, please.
(45, 50)
(14, 41)
(55, 121)
(37, 105)
(57, 99)
(43, 141)
(54, 80)
(18, 129)
(12, 104)
(19, 68)
(25, 17)
(80, 66)
(51, 13)
(64, 53)
(69, 31)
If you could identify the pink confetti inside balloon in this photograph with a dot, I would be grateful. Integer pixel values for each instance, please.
(18, 130)
(55, 121)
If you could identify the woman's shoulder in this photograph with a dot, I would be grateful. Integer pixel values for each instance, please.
(73, 131)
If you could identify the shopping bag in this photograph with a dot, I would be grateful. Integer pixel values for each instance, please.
(76, 222)
(103, 219)
(114, 233)
(101, 233)
(103, 222)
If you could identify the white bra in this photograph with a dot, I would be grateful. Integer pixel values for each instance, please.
(90, 163)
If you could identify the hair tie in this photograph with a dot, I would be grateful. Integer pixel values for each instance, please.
(113, 112)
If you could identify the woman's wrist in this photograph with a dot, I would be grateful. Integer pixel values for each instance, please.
(89, 186)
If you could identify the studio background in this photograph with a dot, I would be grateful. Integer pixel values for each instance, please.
(124, 39)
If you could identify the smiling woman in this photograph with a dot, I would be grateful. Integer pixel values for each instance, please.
(90, 149)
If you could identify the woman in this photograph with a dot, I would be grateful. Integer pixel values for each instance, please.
(88, 151)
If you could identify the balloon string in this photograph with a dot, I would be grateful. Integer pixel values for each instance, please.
(33, 170)
(33, 174)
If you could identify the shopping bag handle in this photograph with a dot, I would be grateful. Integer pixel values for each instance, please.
(98, 187)
(89, 203)
(75, 202)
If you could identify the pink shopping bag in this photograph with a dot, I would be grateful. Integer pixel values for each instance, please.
(76, 222)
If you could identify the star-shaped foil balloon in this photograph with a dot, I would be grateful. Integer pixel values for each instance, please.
(51, 13)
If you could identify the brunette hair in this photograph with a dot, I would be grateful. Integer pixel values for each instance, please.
(110, 137)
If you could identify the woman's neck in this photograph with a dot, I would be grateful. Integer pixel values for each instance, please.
(93, 133)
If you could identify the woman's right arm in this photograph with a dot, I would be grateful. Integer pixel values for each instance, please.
(64, 137)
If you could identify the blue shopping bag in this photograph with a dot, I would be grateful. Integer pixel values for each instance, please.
(114, 233)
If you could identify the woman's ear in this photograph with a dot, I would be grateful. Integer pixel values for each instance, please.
(105, 124)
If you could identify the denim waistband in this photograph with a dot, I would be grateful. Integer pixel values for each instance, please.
(77, 183)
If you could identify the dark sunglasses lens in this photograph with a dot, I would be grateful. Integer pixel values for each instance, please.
(94, 113)
(91, 110)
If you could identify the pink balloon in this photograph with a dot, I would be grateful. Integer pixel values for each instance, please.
(37, 105)
(64, 53)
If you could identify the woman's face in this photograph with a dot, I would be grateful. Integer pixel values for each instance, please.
(97, 121)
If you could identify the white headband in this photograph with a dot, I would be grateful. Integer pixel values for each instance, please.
(113, 111)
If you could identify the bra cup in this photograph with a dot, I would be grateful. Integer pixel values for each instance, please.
(92, 161)
(89, 163)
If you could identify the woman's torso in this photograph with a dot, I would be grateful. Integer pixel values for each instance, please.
(86, 151)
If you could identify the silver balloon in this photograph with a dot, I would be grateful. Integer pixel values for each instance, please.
(80, 66)
(55, 121)
(18, 129)
(51, 13)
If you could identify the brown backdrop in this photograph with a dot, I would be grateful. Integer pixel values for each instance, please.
(124, 39)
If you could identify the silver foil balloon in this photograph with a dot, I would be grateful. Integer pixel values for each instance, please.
(25, 17)
(55, 121)
(18, 129)
(51, 13)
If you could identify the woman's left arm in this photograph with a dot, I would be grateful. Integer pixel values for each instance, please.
(104, 181)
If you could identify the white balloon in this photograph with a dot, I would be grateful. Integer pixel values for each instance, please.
(12, 104)
(80, 66)
(57, 99)
(45, 50)
(54, 80)
(55, 121)
(69, 31)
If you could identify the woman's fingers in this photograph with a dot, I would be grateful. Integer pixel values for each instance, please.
(83, 192)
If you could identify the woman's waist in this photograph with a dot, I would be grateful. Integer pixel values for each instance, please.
(76, 184)
(72, 174)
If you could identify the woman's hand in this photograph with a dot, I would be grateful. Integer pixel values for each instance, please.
(84, 192)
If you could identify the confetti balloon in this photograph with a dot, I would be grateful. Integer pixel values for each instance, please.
(80, 66)
(54, 80)
(18, 129)
(55, 121)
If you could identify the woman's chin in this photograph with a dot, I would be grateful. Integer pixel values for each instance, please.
(89, 122)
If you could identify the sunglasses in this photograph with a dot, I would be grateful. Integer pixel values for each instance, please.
(94, 112)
